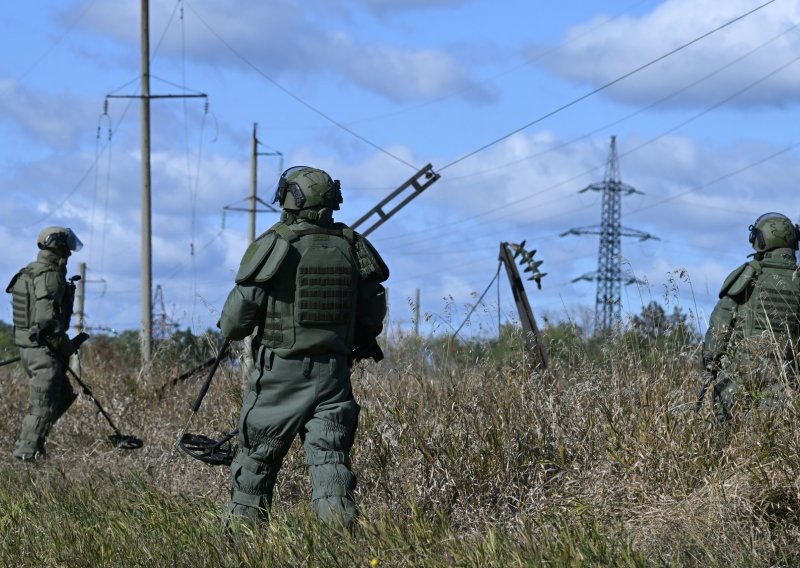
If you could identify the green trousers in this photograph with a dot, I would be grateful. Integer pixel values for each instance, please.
(49, 397)
(310, 396)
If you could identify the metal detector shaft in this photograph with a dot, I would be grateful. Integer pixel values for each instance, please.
(119, 439)
(186, 375)
(85, 388)
(201, 447)
(9, 361)
(207, 383)
(88, 393)
(710, 378)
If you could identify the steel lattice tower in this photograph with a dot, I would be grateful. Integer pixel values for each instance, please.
(609, 257)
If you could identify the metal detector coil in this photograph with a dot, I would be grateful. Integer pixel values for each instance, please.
(208, 450)
(125, 442)
(198, 446)
(120, 440)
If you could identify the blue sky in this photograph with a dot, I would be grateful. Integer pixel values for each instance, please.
(707, 134)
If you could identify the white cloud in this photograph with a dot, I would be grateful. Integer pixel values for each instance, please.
(446, 241)
(387, 7)
(43, 117)
(442, 242)
(626, 43)
(284, 40)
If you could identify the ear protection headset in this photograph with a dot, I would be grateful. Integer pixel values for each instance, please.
(297, 193)
(293, 188)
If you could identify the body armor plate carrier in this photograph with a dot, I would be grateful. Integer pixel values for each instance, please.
(312, 300)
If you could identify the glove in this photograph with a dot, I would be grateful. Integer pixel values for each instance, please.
(78, 340)
(371, 350)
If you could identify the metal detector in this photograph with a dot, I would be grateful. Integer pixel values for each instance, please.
(711, 376)
(9, 361)
(120, 440)
(204, 448)
(183, 376)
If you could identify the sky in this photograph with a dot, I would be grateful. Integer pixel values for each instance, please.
(513, 102)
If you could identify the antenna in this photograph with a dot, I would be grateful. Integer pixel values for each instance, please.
(609, 258)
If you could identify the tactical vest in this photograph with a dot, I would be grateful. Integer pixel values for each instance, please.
(311, 305)
(22, 299)
(38, 281)
(771, 306)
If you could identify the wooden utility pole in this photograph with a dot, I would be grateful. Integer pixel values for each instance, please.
(532, 337)
(251, 228)
(146, 334)
(417, 186)
(254, 199)
(146, 337)
(80, 300)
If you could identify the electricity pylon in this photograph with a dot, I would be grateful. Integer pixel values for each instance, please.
(609, 258)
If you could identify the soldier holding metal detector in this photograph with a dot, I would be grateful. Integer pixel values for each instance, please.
(311, 289)
(42, 307)
(750, 348)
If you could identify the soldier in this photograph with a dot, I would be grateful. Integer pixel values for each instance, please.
(753, 332)
(311, 289)
(42, 307)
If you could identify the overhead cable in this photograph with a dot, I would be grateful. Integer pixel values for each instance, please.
(605, 86)
(504, 207)
(306, 104)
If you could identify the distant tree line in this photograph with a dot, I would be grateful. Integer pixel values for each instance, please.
(653, 330)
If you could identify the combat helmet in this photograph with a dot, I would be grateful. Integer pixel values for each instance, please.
(60, 239)
(774, 230)
(304, 187)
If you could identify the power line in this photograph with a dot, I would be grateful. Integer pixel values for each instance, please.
(72, 25)
(605, 86)
(98, 155)
(699, 187)
(442, 227)
(635, 113)
(527, 61)
(723, 177)
(306, 104)
(609, 259)
(478, 303)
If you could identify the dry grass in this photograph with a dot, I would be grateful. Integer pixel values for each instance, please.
(461, 462)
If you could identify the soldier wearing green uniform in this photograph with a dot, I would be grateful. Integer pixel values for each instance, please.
(42, 307)
(311, 290)
(754, 331)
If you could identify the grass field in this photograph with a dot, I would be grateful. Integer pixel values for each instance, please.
(463, 459)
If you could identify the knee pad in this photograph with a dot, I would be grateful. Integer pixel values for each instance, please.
(328, 437)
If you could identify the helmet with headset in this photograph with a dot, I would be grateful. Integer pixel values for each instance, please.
(304, 187)
(59, 239)
(774, 230)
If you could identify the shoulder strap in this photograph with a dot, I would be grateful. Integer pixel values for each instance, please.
(285, 232)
